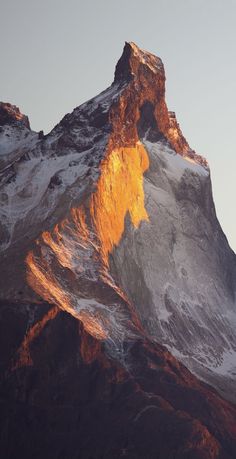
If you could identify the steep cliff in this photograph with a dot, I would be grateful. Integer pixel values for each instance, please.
(110, 218)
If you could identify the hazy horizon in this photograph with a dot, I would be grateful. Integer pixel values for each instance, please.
(57, 55)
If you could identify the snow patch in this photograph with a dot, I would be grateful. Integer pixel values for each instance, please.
(175, 164)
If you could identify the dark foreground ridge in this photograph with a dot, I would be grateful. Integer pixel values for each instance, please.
(73, 401)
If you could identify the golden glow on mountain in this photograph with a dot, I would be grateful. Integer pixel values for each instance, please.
(23, 354)
(42, 279)
(119, 192)
(90, 232)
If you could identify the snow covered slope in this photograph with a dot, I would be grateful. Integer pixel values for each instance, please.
(111, 217)
(179, 270)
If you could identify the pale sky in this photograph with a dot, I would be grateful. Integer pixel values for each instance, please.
(56, 54)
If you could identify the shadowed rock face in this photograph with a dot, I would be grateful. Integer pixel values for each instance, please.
(110, 218)
(72, 401)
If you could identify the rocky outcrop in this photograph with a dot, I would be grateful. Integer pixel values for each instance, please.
(10, 114)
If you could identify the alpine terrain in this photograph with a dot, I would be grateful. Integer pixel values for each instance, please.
(118, 286)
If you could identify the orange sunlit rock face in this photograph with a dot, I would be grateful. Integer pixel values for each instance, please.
(44, 283)
(10, 113)
(91, 233)
(23, 354)
(42, 279)
(119, 191)
(147, 84)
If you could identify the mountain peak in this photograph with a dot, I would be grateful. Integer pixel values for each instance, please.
(143, 102)
(134, 59)
(10, 114)
(110, 218)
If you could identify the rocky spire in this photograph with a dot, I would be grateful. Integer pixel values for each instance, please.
(134, 59)
(10, 114)
(143, 111)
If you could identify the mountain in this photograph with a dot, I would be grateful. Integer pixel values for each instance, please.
(110, 218)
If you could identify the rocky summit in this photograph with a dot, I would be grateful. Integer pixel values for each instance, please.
(117, 283)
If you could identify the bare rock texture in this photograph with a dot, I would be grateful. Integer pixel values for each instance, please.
(110, 217)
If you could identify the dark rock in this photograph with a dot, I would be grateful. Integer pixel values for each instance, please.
(73, 401)
(10, 114)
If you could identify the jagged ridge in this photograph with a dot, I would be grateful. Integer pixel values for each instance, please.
(112, 214)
